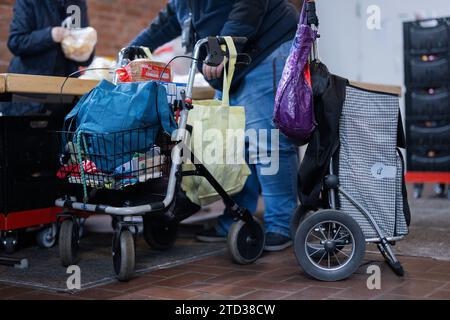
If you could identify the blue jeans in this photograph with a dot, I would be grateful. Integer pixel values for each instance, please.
(279, 191)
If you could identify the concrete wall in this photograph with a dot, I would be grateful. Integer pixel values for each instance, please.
(350, 49)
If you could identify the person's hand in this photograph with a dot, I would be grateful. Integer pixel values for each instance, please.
(212, 73)
(58, 34)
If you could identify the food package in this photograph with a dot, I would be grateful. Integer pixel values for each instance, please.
(79, 43)
(145, 70)
(100, 66)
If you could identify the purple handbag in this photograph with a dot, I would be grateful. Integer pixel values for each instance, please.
(294, 110)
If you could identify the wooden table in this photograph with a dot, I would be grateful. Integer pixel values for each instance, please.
(31, 84)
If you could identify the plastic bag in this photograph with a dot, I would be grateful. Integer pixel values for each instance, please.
(145, 70)
(294, 109)
(223, 119)
(100, 74)
(79, 43)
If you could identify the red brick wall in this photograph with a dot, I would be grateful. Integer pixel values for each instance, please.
(116, 21)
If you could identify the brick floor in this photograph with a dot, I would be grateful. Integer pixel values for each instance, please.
(274, 276)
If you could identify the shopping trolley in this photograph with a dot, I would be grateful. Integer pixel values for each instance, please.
(364, 186)
(145, 184)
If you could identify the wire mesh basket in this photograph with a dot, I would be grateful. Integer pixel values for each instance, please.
(114, 160)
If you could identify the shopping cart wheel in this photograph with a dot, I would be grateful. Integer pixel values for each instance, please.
(123, 254)
(45, 238)
(338, 238)
(69, 242)
(246, 241)
(159, 234)
(10, 242)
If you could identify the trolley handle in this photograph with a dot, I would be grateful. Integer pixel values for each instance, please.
(311, 13)
(215, 54)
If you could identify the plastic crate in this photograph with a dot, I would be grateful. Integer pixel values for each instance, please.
(421, 135)
(28, 165)
(427, 71)
(431, 161)
(428, 104)
(427, 36)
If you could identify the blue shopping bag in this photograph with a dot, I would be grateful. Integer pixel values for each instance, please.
(115, 121)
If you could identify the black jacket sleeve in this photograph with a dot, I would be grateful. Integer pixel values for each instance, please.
(163, 28)
(245, 18)
(23, 39)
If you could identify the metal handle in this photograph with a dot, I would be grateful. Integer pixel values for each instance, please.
(311, 13)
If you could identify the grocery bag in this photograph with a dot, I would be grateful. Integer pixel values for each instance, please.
(120, 119)
(212, 122)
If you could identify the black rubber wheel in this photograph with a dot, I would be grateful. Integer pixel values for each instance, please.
(342, 250)
(68, 243)
(45, 238)
(246, 241)
(81, 223)
(159, 234)
(114, 222)
(124, 255)
(10, 243)
(299, 215)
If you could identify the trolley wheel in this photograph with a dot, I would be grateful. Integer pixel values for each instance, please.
(123, 255)
(246, 241)
(45, 238)
(81, 229)
(68, 243)
(396, 266)
(339, 239)
(114, 222)
(10, 243)
(159, 234)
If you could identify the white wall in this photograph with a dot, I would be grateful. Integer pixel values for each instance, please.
(351, 50)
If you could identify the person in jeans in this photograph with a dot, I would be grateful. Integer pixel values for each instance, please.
(270, 26)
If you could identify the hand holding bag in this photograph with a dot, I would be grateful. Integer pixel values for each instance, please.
(79, 43)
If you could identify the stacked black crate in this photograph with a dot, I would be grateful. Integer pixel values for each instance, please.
(28, 162)
(427, 79)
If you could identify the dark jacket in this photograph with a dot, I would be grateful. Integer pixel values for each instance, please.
(266, 23)
(30, 38)
(323, 145)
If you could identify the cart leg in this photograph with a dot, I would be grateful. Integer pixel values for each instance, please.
(391, 259)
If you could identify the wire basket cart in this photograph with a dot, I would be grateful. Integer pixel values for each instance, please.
(132, 181)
